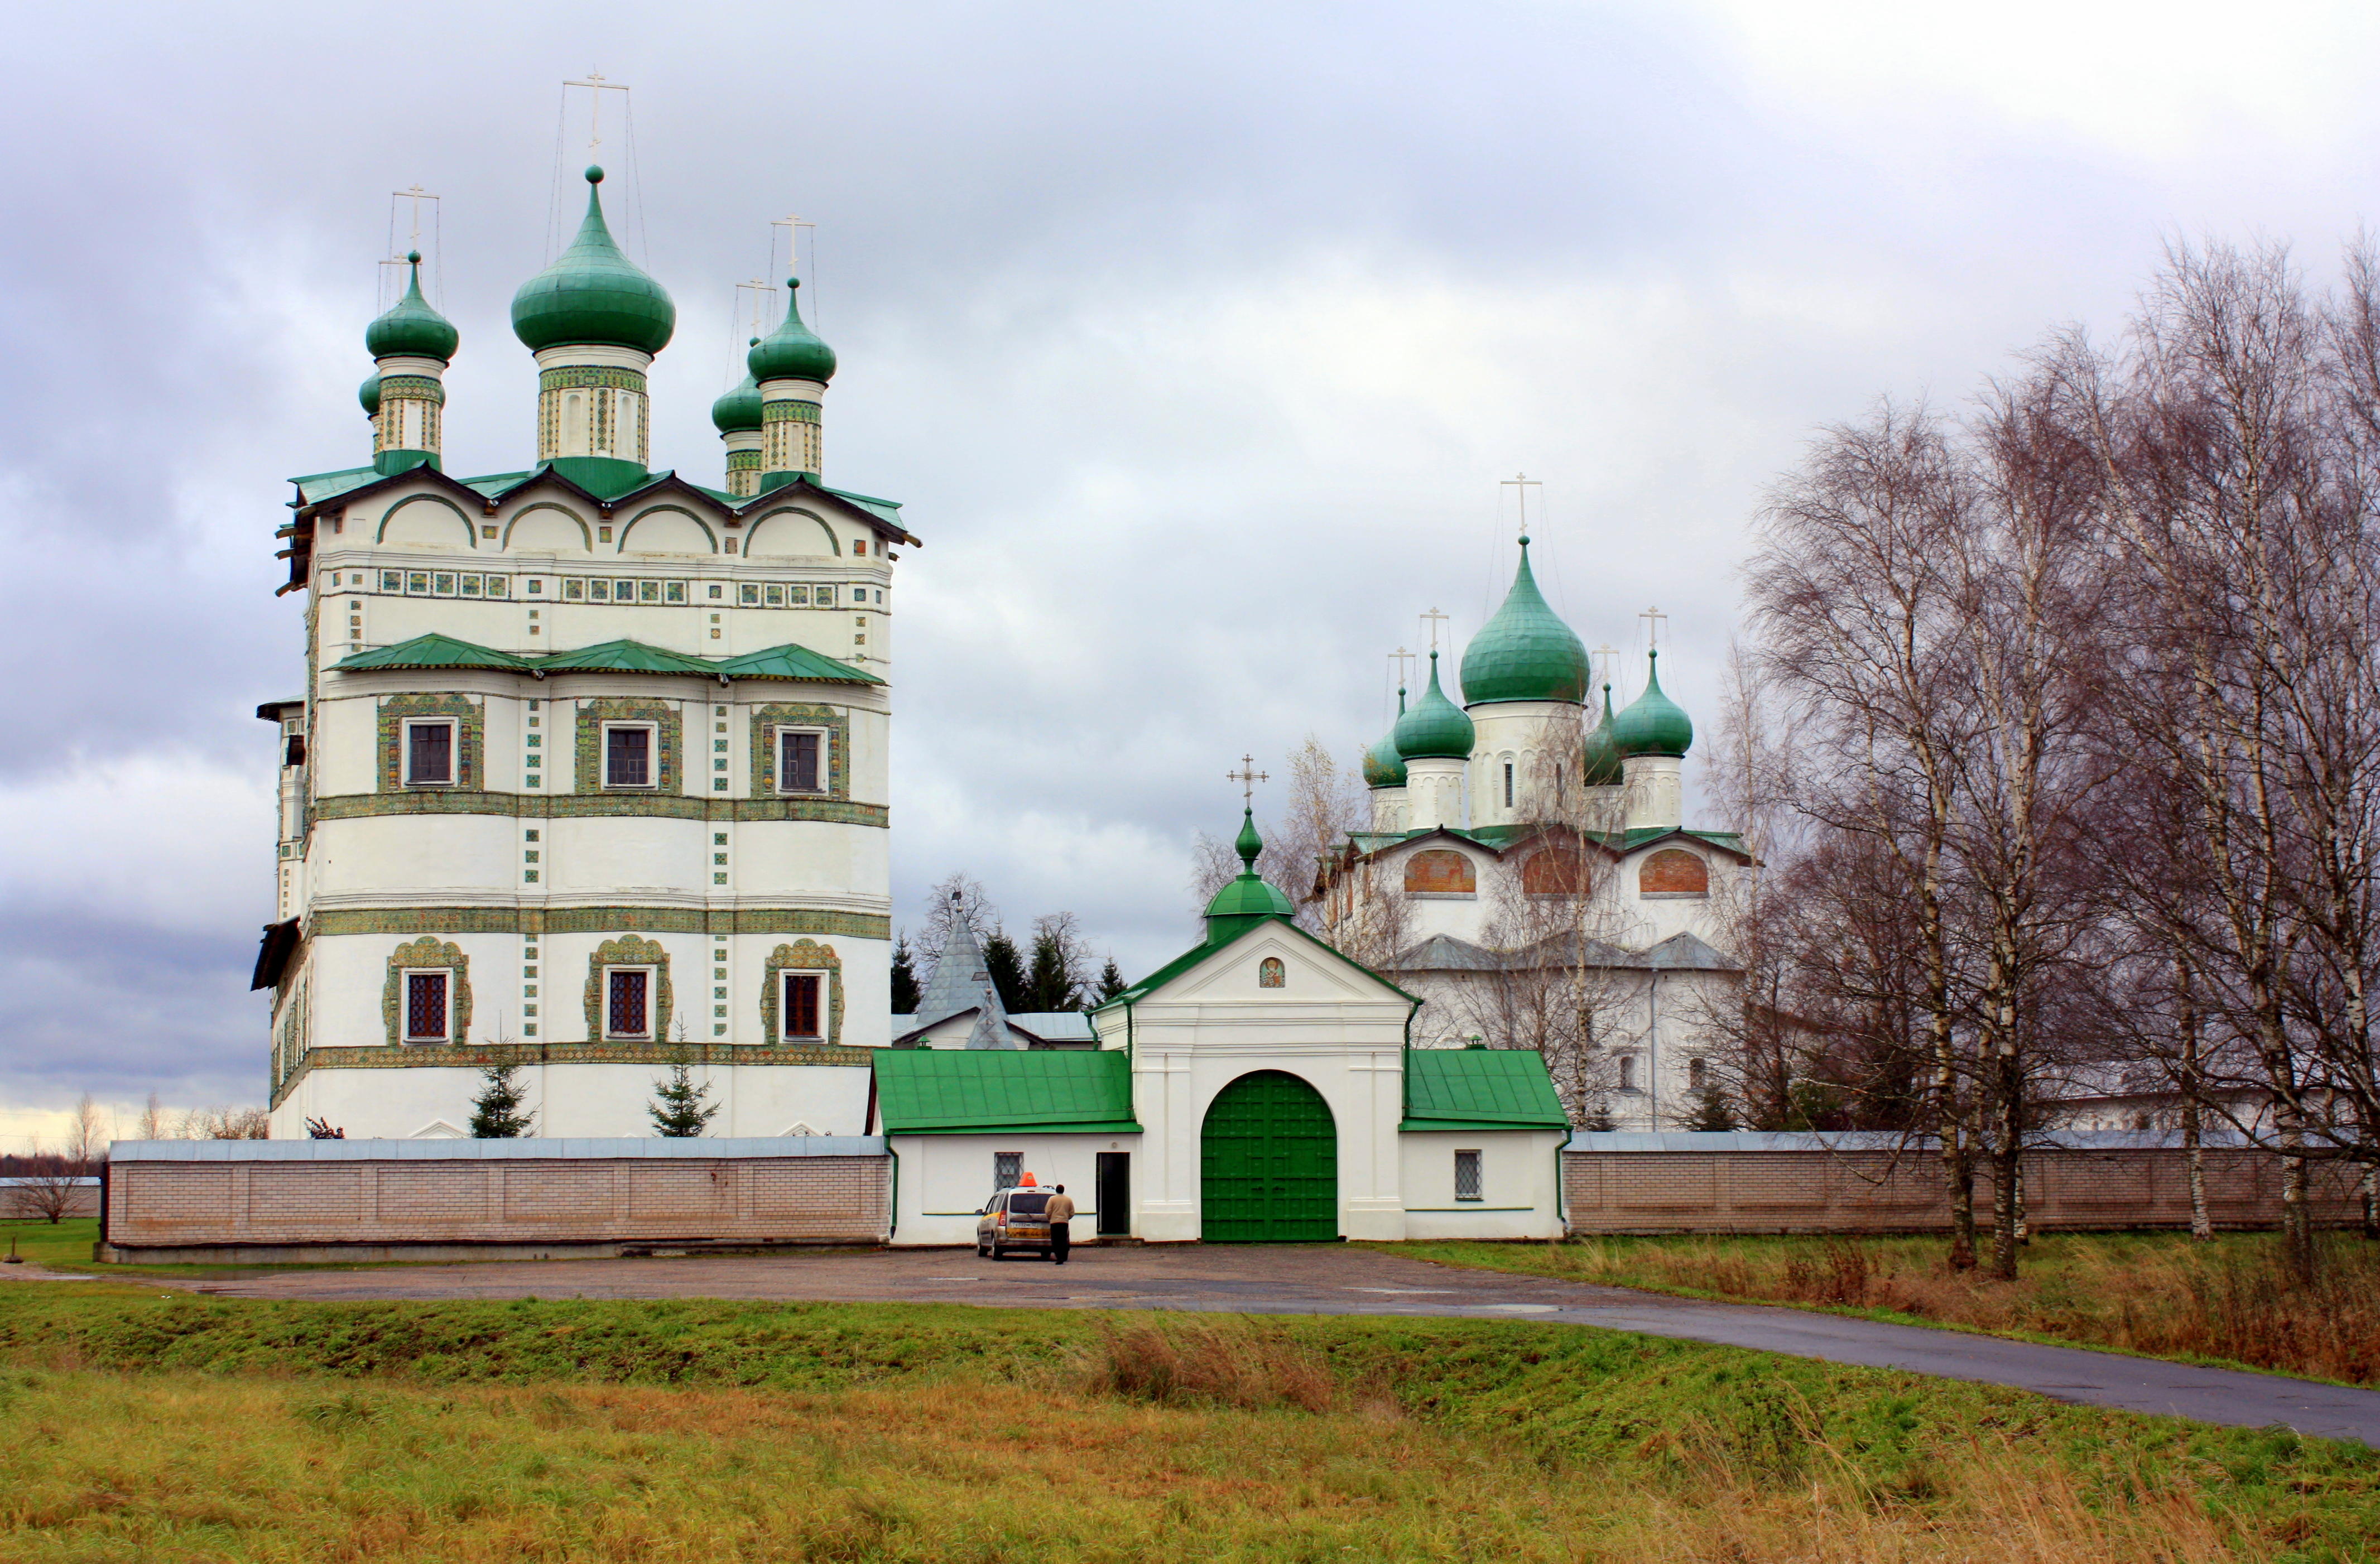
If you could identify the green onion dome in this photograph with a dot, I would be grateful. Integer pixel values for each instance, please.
(1652, 724)
(1246, 895)
(1602, 755)
(740, 409)
(1526, 652)
(1383, 767)
(593, 295)
(368, 394)
(411, 328)
(793, 351)
(1435, 728)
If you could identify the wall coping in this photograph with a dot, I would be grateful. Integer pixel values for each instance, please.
(525, 1149)
(1880, 1140)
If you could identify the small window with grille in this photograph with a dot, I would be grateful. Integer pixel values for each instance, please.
(1007, 1167)
(803, 1014)
(1466, 1175)
(801, 761)
(627, 1012)
(426, 1010)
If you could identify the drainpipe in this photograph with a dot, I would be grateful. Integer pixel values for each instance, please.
(892, 1211)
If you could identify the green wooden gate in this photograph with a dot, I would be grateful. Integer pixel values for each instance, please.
(1268, 1163)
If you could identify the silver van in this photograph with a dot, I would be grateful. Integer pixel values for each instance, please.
(1013, 1220)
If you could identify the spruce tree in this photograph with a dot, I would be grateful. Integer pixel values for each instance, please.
(496, 1112)
(905, 992)
(680, 1107)
(1007, 970)
(1110, 981)
(1047, 986)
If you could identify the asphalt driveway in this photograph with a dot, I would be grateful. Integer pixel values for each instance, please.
(1336, 1280)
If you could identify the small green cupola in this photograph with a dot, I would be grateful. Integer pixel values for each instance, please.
(1435, 729)
(1652, 724)
(410, 327)
(1383, 766)
(1604, 763)
(406, 398)
(791, 365)
(793, 351)
(593, 295)
(1526, 652)
(1245, 900)
(737, 416)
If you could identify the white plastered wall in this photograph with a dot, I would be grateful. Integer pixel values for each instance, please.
(945, 1180)
(576, 1100)
(1519, 1185)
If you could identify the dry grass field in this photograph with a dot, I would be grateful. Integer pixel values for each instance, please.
(2155, 1293)
(149, 1427)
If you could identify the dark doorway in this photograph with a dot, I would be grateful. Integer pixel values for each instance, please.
(1115, 1193)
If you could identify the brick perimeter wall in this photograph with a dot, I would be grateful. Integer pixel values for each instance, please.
(1875, 1192)
(678, 1200)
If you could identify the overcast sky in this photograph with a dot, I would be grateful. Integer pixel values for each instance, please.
(1195, 338)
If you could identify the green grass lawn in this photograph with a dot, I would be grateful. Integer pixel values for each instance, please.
(52, 1244)
(146, 1424)
(2229, 1302)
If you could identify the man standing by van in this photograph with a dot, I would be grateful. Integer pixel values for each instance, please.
(1062, 1211)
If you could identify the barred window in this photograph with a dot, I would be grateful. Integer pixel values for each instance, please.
(629, 1013)
(799, 753)
(1466, 1175)
(425, 1007)
(1007, 1167)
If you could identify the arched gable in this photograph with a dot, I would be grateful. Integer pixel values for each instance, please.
(416, 520)
(1673, 872)
(668, 529)
(1440, 871)
(792, 531)
(547, 526)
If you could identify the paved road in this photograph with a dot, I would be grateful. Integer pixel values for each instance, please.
(1331, 1279)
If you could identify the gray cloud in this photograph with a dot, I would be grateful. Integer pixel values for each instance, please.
(1195, 341)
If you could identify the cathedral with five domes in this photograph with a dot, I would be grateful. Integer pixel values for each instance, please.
(1529, 873)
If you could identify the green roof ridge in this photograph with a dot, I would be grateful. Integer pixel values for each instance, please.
(432, 650)
(1524, 652)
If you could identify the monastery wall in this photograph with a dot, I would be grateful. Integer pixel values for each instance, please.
(202, 1201)
(1883, 1191)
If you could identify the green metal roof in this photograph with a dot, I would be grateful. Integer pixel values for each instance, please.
(314, 488)
(410, 327)
(592, 295)
(791, 662)
(432, 650)
(1652, 724)
(793, 351)
(1526, 652)
(1435, 728)
(626, 657)
(1480, 1089)
(1200, 951)
(956, 1092)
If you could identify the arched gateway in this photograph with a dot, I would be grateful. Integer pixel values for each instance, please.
(1268, 1163)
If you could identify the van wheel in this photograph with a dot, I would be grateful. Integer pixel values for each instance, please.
(981, 1252)
(995, 1252)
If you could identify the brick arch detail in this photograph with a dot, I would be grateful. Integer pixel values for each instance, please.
(1673, 872)
(1440, 871)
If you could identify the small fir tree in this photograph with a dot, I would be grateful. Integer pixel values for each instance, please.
(1599, 1119)
(496, 1112)
(1047, 986)
(905, 992)
(1712, 1110)
(681, 1108)
(1110, 981)
(1007, 970)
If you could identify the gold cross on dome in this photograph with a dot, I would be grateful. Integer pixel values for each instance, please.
(1434, 619)
(1247, 776)
(764, 293)
(793, 226)
(1404, 662)
(1653, 618)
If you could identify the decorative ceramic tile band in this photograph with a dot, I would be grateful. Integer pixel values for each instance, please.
(531, 806)
(412, 921)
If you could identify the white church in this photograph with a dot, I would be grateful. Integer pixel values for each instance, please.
(589, 775)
